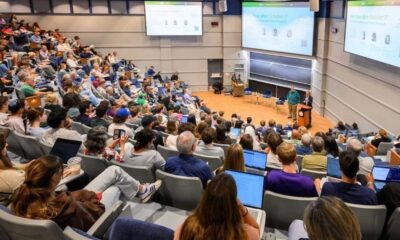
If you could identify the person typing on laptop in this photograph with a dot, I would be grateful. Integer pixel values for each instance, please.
(348, 189)
(219, 215)
(287, 181)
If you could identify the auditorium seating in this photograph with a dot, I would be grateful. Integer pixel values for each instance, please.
(392, 229)
(282, 210)
(93, 165)
(80, 128)
(313, 174)
(213, 162)
(141, 173)
(167, 152)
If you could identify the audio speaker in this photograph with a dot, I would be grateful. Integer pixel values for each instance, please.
(222, 6)
(314, 5)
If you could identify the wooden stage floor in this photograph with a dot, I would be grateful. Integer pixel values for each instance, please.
(262, 111)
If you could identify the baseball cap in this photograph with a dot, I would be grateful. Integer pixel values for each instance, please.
(122, 113)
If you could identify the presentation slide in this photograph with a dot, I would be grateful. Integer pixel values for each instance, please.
(373, 30)
(278, 26)
(165, 18)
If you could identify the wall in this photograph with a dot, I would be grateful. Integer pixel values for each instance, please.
(352, 88)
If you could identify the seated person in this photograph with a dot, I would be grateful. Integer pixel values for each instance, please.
(96, 145)
(294, 138)
(234, 159)
(37, 198)
(206, 147)
(85, 110)
(305, 147)
(134, 110)
(3, 110)
(59, 123)
(287, 181)
(317, 160)
(222, 137)
(170, 142)
(221, 207)
(17, 108)
(99, 119)
(348, 189)
(331, 147)
(321, 221)
(143, 153)
(28, 86)
(35, 118)
(366, 163)
(246, 141)
(261, 129)
(382, 136)
(273, 140)
(120, 117)
(185, 164)
(172, 130)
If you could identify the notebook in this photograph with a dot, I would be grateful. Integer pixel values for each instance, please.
(235, 133)
(254, 159)
(65, 149)
(333, 168)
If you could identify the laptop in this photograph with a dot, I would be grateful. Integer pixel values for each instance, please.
(235, 133)
(184, 118)
(333, 168)
(254, 159)
(250, 190)
(65, 149)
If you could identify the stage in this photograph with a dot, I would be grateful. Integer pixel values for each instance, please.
(265, 110)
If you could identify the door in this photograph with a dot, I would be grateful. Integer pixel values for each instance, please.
(215, 66)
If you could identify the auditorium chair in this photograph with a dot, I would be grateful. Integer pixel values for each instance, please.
(30, 146)
(392, 229)
(167, 152)
(267, 95)
(371, 219)
(179, 191)
(19, 93)
(93, 165)
(132, 229)
(279, 102)
(213, 162)
(13, 143)
(131, 125)
(223, 146)
(312, 173)
(80, 128)
(46, 148)
(281, 209)
(74, 234)
(141, 173)
(382, 149)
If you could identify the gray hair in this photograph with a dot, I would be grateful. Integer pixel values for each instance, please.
(318, 144)
(306, 140)
(355, 145)
(185, 142)
(23, 75)
(96, 139)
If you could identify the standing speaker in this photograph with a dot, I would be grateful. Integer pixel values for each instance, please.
(223, 6)
(314, 5)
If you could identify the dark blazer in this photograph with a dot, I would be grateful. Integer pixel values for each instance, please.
(308, 101)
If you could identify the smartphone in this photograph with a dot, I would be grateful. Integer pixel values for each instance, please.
(118, 133)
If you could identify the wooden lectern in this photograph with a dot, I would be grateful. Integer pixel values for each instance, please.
(237, 89)
(304, 115)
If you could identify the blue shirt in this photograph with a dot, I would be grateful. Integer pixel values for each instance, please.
(350, 193)
(303, 150)
(291, 184)
(187, 165)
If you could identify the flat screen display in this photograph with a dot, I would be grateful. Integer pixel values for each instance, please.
(373, 30)
(168, 18)
(278, 26)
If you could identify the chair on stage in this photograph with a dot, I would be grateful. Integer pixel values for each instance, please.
(267, 95)
(279, 102)
(248, 94)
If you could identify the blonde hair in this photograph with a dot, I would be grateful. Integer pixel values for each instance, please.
(286, 153)
(51, 99)
(234, 158)
(383, 133)
(321, 220)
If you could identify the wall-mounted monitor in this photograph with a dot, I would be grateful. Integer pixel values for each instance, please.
(373, 30)
(178, 18)
(278, 26)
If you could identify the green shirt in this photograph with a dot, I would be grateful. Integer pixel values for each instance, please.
(27, 90)
(315, 161)
(293, 97)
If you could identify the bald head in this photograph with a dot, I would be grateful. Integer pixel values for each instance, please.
(295, 134)
(186, 143)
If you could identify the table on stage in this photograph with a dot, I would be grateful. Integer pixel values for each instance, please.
(304, 115)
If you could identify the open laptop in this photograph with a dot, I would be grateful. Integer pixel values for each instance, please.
(380, 175)
(250, 189)
(254, 159)
(235, 133)
(65, 149)
(333, 168)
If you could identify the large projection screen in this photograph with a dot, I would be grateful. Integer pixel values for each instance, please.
(167, 18)
(278, 26)
(373, 30)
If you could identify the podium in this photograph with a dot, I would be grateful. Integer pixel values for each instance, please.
(304, 115)
(237, 89)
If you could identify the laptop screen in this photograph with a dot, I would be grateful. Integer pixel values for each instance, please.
(235, 132)
(250, 188)
(184, 118)
(65, 149)
(333, 168)
(255, 159)
(380, 173)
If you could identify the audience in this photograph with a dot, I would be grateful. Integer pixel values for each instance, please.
(219, 215)
(305, 147)
(85, 110)
(331, 147)
(143, 153)
(37, 198)
(206, 147)
(3, 110)
(185, 164)
(366, 163)
(317, 160)
(222, 137)
(99, 118)
(348, 189)
(273, 141)
(17, 108)
(234, 159)
(36, 118)
(382, 136)
(246, 141)
(287, 181)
